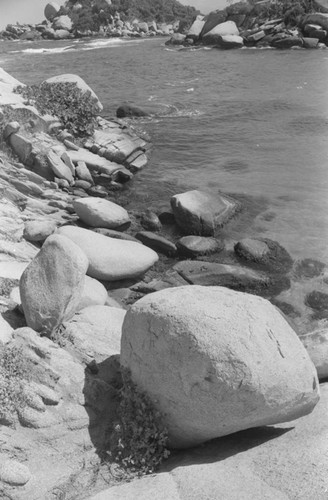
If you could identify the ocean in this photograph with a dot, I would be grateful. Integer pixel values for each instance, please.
(251, 123)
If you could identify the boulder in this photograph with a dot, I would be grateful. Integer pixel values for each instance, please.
(10, 128)
(310, 43)
(111, 259)
(316, 344)
(150, 221)
(199, 212)
(94, 294)
(223, 29)
(265, 252)
(193, 246)
(230, 42)
(14, 473)
(215, 362)
(83, 173)
(196, 28)
(176, 39)
(129, 111)
(51, 10)
(79, 82)
(59, 168)
(38, 230)
(315, 31)
(62, 23)
(157, 243)
(317, 300)
(316, 18)
(51, 286)
(6, 331)
(62, 34)
(97, 212)
(22, 147)
(212, 20)
(287, 42)
(143, 27)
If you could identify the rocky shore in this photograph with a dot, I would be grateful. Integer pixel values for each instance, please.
(223, 336)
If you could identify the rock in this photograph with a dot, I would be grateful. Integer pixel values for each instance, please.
(198, 212)
(101, 213)
(287, 42)
(94, 294)
(150, 221)
(10, 128)
(255, 37)
(215, 362)
(39, 230)
(265, 252)
(6, 331)
(96, 331)
(68, 162)
(316, 344)
(315, 31)
(111, 259)
(82, 185)
(79, 82)
(51, 10)
(98, 192)
(22, 147)
(129, 111)
(230, 42)
(49, 34)
(62, 23)
(176, 39)
(212, 20)
(192, 246)
(309, 268)
(59, 168)
(62, 34)
(317, 18)
(51, 286)
(196, 28)
(231, 276)
(14, 473)
(115, 234)
(321, 6)
(310, 43)
(317, 300)
(157, 243)
(83, 173)
(94, 162)
(223, 29)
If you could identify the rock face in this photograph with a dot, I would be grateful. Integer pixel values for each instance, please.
(216, 362)
(51, 10)
(97, 212)
(51, 286)
(79, 82)
(111, 259)
(198, 212)
(226, 28)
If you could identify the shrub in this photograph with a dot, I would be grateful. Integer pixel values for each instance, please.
(77, 110)
(13, 372)
(139, 439)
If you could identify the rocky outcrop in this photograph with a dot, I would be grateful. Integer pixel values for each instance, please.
(216, 361)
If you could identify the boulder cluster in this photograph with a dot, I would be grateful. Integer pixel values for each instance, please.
(255, 25)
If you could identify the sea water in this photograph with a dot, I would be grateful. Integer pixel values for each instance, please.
(252, 123)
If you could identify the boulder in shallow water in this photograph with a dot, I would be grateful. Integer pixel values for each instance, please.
(97, 212)
(129, 111)
(215, 362)
(213, 19)
(51, 286)
(111, 259)
(193, 246)
(199, 212)
(230, 42)
(265, 252)
(223, 29)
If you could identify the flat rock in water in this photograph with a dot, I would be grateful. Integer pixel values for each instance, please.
(215, 361)
(51, 286)
(97, 212)
(111, 259)
(192, 246)
(198, 212)
(266, 252)
(157, 242)
(211, 273)
(316, 344)
(317, 300)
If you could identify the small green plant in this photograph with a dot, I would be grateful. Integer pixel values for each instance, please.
(76, 109)
(139, 438)
(13, 372)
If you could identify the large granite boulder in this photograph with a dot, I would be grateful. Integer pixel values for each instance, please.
(213, 19)
(111, 259)
(223, 29)
(51, 10)
(196, 28)
(51, 286)
(215, 362)
(198, 212)
(317, 18)
(79, 82)
(63, 23)
(97, 212)
(316, 344)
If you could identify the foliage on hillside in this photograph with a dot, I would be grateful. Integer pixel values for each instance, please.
(92, 15)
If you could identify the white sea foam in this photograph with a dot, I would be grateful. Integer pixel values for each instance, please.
(43, 50)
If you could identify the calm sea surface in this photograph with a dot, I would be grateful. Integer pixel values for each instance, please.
(247, 122)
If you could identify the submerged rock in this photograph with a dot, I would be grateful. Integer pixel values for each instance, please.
(215, 362)
(266, 252)
(192, 246)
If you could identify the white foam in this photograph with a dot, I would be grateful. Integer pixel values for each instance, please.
(43, 50)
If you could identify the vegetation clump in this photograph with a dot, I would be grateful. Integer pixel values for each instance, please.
(76, 109)
(13, 373)
(138, 441)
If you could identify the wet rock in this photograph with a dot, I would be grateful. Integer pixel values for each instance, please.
(198, 212)
(317, 300)
(150, 221)
(52, 284)
(14, 473)
(111, 259)
(265, 252)
(39, 230)
(94, 294)
(308, 268)
(249, 356)
(157, 243)
(10, 128)
(129, 111)
(101, 213)
(230, 276)
(193, 246)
